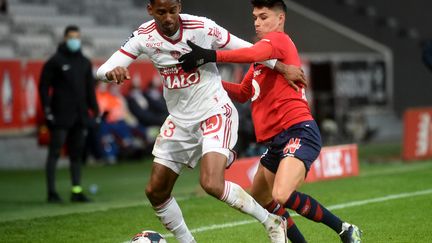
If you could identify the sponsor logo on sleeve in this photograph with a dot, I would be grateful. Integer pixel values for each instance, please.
(215, 32)
(128, 39)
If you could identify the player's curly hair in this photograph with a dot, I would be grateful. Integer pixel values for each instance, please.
(279, 4)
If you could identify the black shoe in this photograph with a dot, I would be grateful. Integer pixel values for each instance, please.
(79, 197)
(54, 198)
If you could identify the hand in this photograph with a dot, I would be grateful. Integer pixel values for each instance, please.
(49, 117)
(293, 74)
(118, 75)
(197, 57)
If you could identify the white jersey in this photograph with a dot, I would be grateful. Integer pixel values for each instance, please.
(190, 96)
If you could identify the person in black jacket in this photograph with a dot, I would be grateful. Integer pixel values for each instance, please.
(67, 92)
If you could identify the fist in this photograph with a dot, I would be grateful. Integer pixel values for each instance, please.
(118, 75)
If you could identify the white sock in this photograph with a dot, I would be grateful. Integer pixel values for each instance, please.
(170, 215)
(237, 198)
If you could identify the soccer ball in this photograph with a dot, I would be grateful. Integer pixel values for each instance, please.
(148, 236)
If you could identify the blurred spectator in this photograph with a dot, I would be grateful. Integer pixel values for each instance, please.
(427, 53)
(3, 7)
(67, 94)
(330, 131)
(118, 128)
(149, 106)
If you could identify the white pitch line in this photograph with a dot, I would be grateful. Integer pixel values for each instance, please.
(333, 207)
(402, 169)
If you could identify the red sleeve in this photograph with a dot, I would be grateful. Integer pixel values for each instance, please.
(240, 92)
(261, 51)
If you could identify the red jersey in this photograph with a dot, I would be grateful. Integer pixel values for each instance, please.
(275, 104)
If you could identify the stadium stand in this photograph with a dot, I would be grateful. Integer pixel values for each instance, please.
(33, 46)
(35, 26)
(103, 47)
(400, 25)
(4, 30)
(7, 51)
(33, 9)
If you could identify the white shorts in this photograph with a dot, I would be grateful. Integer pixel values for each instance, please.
(178, 145)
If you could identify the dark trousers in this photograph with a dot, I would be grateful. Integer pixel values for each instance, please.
(75, 139)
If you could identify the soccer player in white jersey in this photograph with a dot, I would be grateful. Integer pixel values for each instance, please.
(203, 122)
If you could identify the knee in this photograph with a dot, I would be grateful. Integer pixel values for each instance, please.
(281, 195)
(156, 195)
(212, 186)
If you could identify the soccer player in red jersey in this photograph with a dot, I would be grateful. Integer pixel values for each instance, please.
(282, 119)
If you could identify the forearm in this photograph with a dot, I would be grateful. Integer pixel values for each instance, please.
(245, 56)
(252, 54)
(238, 92)
(116, 60)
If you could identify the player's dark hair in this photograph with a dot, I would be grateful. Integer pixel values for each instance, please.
(279, 4)
(70, 28)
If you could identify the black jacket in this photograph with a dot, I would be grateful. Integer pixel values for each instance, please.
(427, 54)
(69, 77)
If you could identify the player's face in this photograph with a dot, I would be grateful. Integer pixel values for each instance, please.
(267, 20)
(166, 15)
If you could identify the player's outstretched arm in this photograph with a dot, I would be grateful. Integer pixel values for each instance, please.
(292, 74)
(258, 52)
(199, 56)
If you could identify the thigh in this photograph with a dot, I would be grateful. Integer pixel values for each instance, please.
(290, 175)
(57, 138)
(76, 137)
(262, 185)
(178, 143)
(219, 133)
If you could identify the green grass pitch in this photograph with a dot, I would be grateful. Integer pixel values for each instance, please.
(390, 202)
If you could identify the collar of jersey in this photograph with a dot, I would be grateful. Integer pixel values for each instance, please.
(169, 39)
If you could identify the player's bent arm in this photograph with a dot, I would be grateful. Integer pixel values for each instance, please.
(244, 52)
(259, 52)
(234, 91)
(118, 59)
(240, 92)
